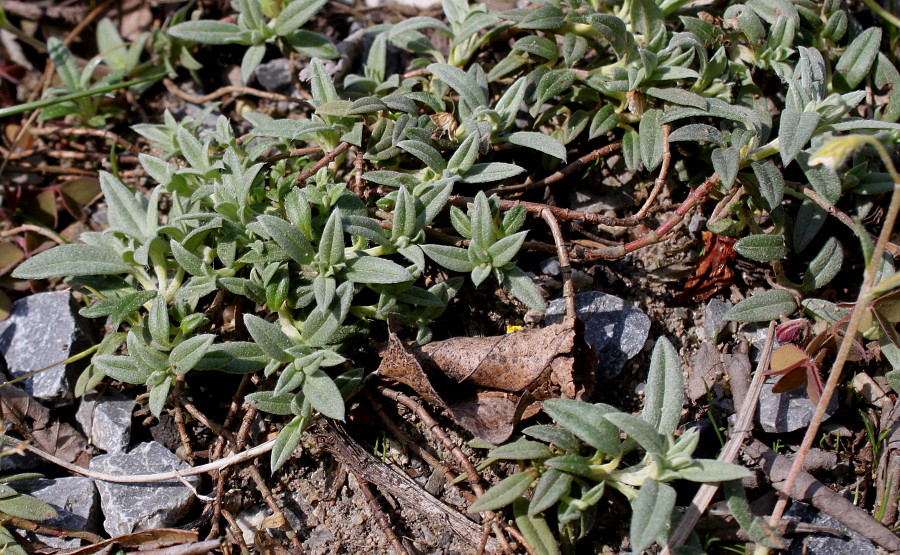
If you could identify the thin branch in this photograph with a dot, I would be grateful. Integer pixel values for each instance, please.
(559, 174)
(148, 478)
(36, 229)
(89, 132)
(844, 218)
(222, 91)
(321, 163)
(380, 517)
(564, 267)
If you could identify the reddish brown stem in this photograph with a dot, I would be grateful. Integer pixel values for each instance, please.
(222, 91)
(559, 174)
(564, 266)
(380, 517)
(179, 418)
(321, 163)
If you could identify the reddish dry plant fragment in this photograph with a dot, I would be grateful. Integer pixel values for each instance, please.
(713, 271)
(489, 383)
(794, 331)
(796, 368)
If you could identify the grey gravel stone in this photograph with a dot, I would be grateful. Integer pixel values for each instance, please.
(714, 318)
(75, 500)
(616, 329)
(788, 411)
(275, 76)
(106, 420)
(550, 266)
(822, 543)
(43, 330)
(133, 507)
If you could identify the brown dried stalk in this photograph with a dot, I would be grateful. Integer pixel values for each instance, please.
(222, 91)
(559, 174)
(321, 163)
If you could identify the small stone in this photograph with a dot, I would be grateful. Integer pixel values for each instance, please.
(75, 500)
(822, 543)
(44, 330)
(706, 367)
(788, 411)
(616, 329)
(756, 334)
(250, 521)
(550, 266)
(106, 419)
(275, 76)
(133, 507)
(714, 318)
(319, 537)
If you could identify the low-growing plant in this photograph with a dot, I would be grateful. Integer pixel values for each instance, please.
(570, 466)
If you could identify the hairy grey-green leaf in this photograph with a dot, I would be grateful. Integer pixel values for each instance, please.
(726, 162)
(267, 401)
(794, 131)
(188, 353)
(287, 440)
(504, 493)
(424, 152)
(127, 210)
(539, 46)
(705, 470)
(71, 260)
(698, 132)
(644, 433)
(288, 237)
(631, 150)
(520, 450)
(771, 183)
(764, 306)
(521, 286)
(465, 155)
(651, 514)
(208, 32)
(324, 395)
(810, 218)
(586, 421)
(651, 139)
(556, 435)
(371, 269)
(491, 171)
(665, 388)
(544, 17)
(552, 485)
(295, 14)
(268, 337)
(452, 258)
(122, 368)
(553, 82)
(505, 249)
(825, 265)
(127, 305)
(539, 142)
(605, 120)
(470, 93)
(857, 59)
(646, 19)
(761, 248)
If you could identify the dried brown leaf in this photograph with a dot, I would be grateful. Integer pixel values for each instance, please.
(35, 423)
(489, 383)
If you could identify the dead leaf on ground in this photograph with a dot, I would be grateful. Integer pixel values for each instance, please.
(706, 367)
(713, 272)
(153, 539)
(489, 383)
(34, 422)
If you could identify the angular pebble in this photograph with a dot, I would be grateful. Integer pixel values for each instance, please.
(822, 543)
(75, 500)
(133, 507)
(106, 419)
(615, 328)
(714, 318)
(788, 411)
(45, 329)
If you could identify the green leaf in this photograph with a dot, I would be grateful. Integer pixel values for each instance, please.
(158, 395)
(539, 46)
(545, 17)
(767, 305)
(857, 59)
(586, 421)
(761, 248)
(188, 353)
(251, 60)
(471, 94)
(267, 401)
(651, 514)
(504, 493)
(465, 155)
(371, 269)
(706, 470)
(208, 32)
(27, 507)
(71, 260)
(320, 82)
(552, 485)
(535, 529)
(605, 120)
(643, 433)
(127, 305)
(825, 265)
(186, 259)
(288, 440)
(491, 171)
(771, 184)
(555, 435)
(331, 246)
(809, 221)
(651, 134)
(295, 14)
(505, 249)
(553, 82)
(424, 152)
(126, 214)
(481, 215)
(665, 388)
(324, 395)
(269, 338)
(698, 132)
(538, 141)
(631, 150)
(158, 321)
(521, 286)
(521, 450)
(794, 131)
(289, 238)
(646, 19)
(726, 162)
(452, 258)
(509, 103)
(312, 44)
(122, 368)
